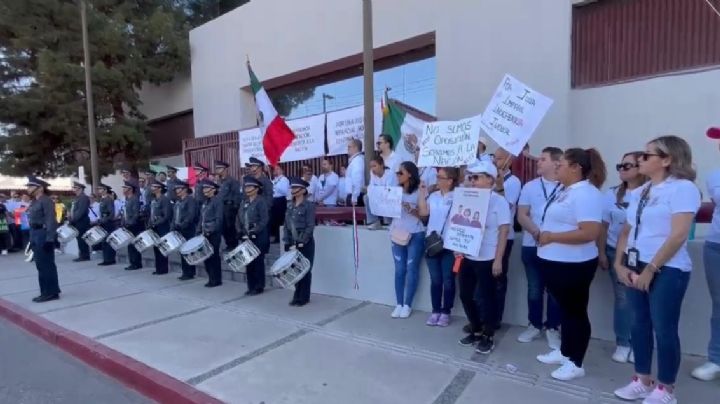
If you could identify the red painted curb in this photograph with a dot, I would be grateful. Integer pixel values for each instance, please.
(148, 381)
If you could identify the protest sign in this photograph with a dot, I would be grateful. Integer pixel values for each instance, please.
(467, 220)
(251, 145)
(385, 201)
(309, 139)
(347, 124)
(449, 143)
(513, 114)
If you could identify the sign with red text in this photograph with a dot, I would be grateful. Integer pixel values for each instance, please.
(468, 215)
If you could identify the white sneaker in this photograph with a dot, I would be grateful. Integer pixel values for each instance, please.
(631, 357)
(397, 311)
(635, 390)
(529, 334)
(622, 354)
(405, 311)
(374, 226)
(554, 357)
(568, 371)
(4, 252)
(706, 372)
(553, 338)
(660, 396)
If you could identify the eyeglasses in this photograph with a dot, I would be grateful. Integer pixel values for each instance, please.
(646, 156)
(625, 166)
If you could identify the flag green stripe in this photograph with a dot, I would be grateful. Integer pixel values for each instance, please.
(393, 120)
(254, 82)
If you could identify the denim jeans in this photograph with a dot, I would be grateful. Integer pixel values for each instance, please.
(623, 313)
(536, 293)
(407, 265)
(442, 281)
(711, 257)
(658, 311)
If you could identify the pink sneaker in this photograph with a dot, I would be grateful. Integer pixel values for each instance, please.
(660, 396)
(444, 320)
(433, 319)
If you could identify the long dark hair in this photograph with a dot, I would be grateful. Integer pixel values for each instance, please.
(591, 164)
(414, 180)
(622, 188)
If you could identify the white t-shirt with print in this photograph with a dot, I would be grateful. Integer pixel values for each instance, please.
(498, 215)
(713, 188)
(439, 206)
(535, 195)
(406, 221)
(614, 214)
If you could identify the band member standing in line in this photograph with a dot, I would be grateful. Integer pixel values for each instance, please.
(43, 225)
(299, 227)
(160, 219)
(171, 183)
(147, 195)
(132, 221)
(252, 224)
(107, 222)
(257, 170)
(230, 197)
(185, 221)
(201, 173)
(79, 219)
(280, 193)
(211, 226)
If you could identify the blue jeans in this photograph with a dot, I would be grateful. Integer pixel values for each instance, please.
(623, 313)
(407, 265)
(658, 311)
(711, 257)
(442, 281)
(536, 293)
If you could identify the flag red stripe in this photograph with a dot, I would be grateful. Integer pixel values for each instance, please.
(278, 136)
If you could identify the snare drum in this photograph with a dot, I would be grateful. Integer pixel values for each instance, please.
(94, 236)
(196, 250)
(66, 233)
(290, 268)
(241, 256)
(120, 238)
(145, 240)
(170, 243)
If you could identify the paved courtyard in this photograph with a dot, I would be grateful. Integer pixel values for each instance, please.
(260, 350)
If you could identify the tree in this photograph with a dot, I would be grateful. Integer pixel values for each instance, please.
(201, 11)
(42, 87)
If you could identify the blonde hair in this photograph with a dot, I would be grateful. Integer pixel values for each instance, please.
(680, 156)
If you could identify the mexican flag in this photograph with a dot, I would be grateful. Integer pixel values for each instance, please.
(186, 174)
(404, 128)
(276, 135)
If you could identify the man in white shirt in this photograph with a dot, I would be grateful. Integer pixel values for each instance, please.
(355, 177)
(385, 146)
(281, 194)
(312, 180)
(327, 193)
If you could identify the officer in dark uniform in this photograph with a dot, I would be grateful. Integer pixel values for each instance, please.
(148, 195)
(201, 173)
(132, 221)
(299, 227)
(185, 220)
(257, 171)
(211, 226)
(43, 225)
(171, 183)
(161, 216)
(80, 220)
(252, 224)
(230, 196)
(107, 222)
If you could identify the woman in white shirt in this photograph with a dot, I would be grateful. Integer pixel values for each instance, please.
(408, 241)
(479, 274)
(436, 208)
(379, 175)
(657, 265)
(568, 254)
(616, 202)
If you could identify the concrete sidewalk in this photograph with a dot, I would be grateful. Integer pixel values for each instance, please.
(260, 350)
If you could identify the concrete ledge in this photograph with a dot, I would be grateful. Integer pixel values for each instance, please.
(150, 382)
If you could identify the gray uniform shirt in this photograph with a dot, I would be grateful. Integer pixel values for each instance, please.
(41, 212)
(161, 211)
(299, 222)
(185, 215)
(107, 210)
(211, 218)
(170, 184)
(229, 191)
(79, 210)
(253, 216)
(131, 214)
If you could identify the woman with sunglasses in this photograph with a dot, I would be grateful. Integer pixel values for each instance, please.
(616, 202)
(480, 274)
(568, 254)
(408, 240)
(436, 209)
(657, 264)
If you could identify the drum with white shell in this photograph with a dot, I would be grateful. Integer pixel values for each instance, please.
(290, 268)
(196, 250)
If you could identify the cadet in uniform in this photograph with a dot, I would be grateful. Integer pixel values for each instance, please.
(257, 167)
(171, 183)
(41, 217)
(80, 220)
(252, 224)
(160, 220)
(201, 173)
(230, 197)
(211, 226)
(132, 221)
(299, 227)
(107, 222)
(147, 195)
(185, 219)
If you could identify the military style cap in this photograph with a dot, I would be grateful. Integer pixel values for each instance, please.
(250, 181)
(221, 164)
(78, 185)
(254, 161)
(297, 182)
(36, 182)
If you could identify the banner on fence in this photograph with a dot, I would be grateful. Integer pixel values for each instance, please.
(251, 145)
(309, 139)
(349, 124)
(449, 143)
(467, 220)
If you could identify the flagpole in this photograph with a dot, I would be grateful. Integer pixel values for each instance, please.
(368, 69)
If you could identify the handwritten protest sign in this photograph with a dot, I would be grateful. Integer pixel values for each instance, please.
(251, 145)
(309, 139)
(385, 201)
(513, 114)
(467, 220)
(347, 124)
(449, 143)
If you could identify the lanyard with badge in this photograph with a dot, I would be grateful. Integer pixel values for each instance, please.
(553, 197)
(552, 194)
(633, 254)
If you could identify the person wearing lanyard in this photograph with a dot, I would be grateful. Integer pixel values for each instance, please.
(616, 201)
(252, 222)
(43, 224)
(280, 193)
(436, 210)
(568, 254)
(533, 197)
(408, 240)
(299, 227)
(656, 264)
(380, 175)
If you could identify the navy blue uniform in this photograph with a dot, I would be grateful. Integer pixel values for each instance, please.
(299, 227)
(80, 220)
(229, 194)
(41, 218)
(133, 222)
(252, 224)
(211, 226)
(185, 220)
(161, 215)
(107, 222)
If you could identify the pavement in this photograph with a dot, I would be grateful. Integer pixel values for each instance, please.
(254, 350)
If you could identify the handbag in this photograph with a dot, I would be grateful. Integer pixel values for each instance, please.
(434, 241)
(400, 236)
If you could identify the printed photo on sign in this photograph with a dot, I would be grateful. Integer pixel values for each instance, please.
(251, 145)
(449, 143)
(467, 220)
(385, 201)
(309, 139)
(347, 124)
(513, 114)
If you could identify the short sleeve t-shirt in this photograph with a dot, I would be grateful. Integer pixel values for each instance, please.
(535, 195)
(498, 215)
(512, 194)
(439, 206)
(406, 221)
(615, 214)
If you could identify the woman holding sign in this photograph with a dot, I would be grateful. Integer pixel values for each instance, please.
(408, 240)
(568, 254)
